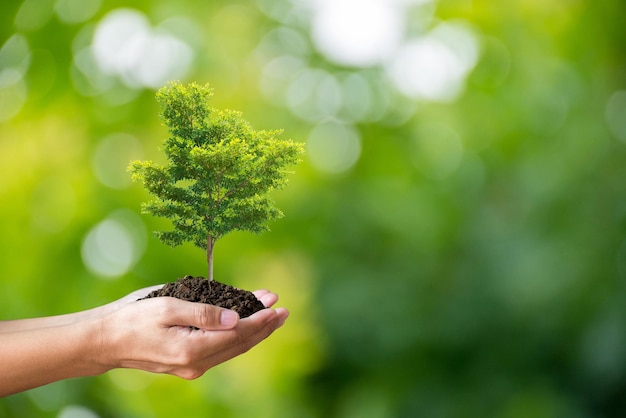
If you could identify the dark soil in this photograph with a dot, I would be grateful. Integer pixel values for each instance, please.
(199, 289)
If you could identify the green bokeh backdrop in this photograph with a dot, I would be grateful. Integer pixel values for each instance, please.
(470, 261)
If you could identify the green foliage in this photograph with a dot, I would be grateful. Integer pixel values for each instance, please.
(220, 170)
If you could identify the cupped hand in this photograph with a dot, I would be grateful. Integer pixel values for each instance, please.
(159, 334)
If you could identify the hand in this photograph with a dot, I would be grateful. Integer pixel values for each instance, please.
(152, 334)
(156, 335)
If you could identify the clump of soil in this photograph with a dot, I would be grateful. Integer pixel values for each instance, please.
(199, 289)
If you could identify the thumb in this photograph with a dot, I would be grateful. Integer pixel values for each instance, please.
(201, 315)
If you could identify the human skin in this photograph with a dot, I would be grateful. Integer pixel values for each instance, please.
(154, 335)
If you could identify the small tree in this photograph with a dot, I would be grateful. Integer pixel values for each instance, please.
(219, 172)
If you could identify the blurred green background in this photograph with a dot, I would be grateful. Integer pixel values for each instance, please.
(454, 243)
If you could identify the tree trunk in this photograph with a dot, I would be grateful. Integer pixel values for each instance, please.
(210, 243)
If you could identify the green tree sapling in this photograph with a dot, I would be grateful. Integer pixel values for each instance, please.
(219, 172)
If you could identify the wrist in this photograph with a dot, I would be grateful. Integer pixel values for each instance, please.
(101, 346)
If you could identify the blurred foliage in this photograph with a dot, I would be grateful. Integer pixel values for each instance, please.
(456, 251)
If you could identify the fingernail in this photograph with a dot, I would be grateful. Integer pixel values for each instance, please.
(228, 318)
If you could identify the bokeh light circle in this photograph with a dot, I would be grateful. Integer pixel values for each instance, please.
(358, 33)
(113, 246)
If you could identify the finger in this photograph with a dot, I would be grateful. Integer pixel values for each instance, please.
(146, 290)
(229, 343)
(131, 297)
(250, 332)
(199, 315)
(260, 292)
(266, 297)
(283, 314)
(140, 293)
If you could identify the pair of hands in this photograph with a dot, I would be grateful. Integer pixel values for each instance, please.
(155, 335)
(151, 334)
